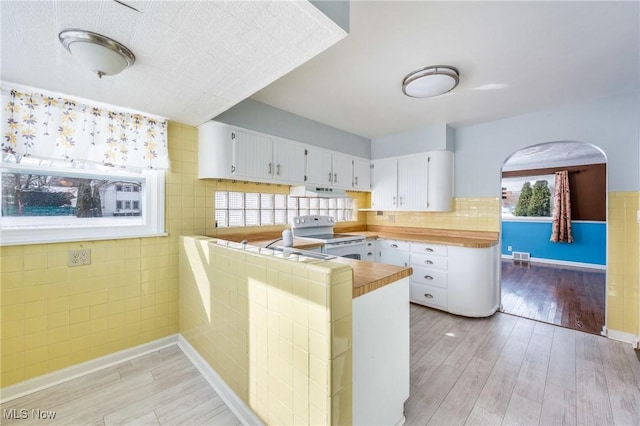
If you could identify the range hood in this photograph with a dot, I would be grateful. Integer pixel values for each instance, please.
(316, 191)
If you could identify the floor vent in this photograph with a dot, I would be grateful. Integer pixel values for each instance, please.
(521, 256)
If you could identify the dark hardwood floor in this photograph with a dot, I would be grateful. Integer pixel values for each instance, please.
(564, 296)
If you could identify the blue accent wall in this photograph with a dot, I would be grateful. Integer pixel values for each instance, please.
(589, 246)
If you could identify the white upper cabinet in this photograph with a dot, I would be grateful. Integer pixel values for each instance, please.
(342, 168)
(251, 155)
(266, 158)
(227, 152)
(384, 184)
(412, 183)
(215, 151)
(361, 174)
(440, 181)
(288, 161)
(318, 167)
(422, 182)
(333, 169)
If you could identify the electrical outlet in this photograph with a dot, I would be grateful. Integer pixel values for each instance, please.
(79, 257)
(509, 248)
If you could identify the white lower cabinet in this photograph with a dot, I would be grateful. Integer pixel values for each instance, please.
(370, 250)
(474, 284)
(394, 252)
(429, 295)
(461, 280)
(381, 365)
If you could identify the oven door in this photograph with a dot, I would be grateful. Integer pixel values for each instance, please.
(350, 249)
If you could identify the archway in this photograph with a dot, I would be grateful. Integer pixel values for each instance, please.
(558, 283)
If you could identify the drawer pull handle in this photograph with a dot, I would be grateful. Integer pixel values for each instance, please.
(394, 246)
(428, 296)
(369, 254)
(429, 262)
(429, 249)
(428, 277)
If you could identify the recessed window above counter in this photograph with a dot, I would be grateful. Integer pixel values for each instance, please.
(229, 152)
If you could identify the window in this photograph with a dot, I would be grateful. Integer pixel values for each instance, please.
(528, 196)
(70, 204)
(240, 209)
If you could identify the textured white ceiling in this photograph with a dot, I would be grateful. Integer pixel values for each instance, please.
(194, 59)
(554, 154)
(514, 57)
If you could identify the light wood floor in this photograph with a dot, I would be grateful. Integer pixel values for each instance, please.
(515, 371)
(163, 388)
(498, 370)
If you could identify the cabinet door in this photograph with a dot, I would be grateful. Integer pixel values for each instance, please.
(371, 250)
(474, 281)
(440, 181)
(252, 155)
(429, 296)
(318, 167)
(361, 174)
(384, 184)
(288, 161)
(394, 257)
(342, 167)
(412, 183)
(215, 150)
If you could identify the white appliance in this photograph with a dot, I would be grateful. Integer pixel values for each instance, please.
(320, 228)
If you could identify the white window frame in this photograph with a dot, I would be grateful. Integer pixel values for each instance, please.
(153, 199)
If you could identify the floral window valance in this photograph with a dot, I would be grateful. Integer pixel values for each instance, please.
(70, 133)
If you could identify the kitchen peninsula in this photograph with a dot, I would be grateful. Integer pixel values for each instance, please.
(296, 338)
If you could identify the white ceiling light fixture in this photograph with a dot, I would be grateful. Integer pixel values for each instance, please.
(102, 55)
(430, 81)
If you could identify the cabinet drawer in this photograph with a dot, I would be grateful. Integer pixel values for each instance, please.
(428, 261)
(429, 295)
(395, 245)
(426, 248)
(429, 276)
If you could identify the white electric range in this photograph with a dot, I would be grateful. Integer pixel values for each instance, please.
(320, 228)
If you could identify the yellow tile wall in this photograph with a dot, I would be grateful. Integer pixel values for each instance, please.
(623, 278)
(53, 316)
(277, 331)
(469, 214)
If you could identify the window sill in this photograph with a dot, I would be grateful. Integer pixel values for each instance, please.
(46, 236)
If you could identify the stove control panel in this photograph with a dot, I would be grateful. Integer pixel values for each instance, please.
(312, 221)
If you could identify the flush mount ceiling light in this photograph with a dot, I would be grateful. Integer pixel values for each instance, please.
(430, 81)
(100, 54)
